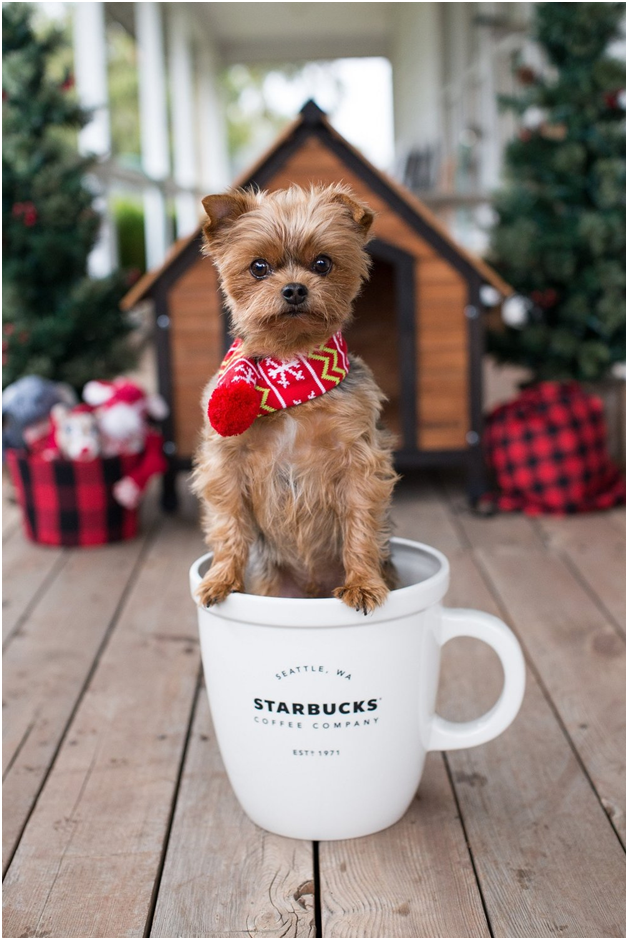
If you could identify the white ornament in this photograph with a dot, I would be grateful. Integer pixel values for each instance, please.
(489, 295)
(515, 311)
(621, 99)
(533, 117)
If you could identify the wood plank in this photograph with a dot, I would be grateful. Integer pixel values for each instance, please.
(596, 548)
(89, 857)
(224, 877)
(548, 861)
(578, 655)
(436, 271)
(441, 318)
(444, 411)
(412, 880)
(442, 331)
(28, 571)
(453, 293)
(507, 528)
(438, 358)
(419, 514)
(46, 667)
(200, 275)
(203, 308)
(11, 514)
(443, 438)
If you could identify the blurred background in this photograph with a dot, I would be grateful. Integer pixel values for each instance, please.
(187, 95)
(505, 119)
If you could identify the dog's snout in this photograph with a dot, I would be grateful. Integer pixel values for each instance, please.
(294, 293)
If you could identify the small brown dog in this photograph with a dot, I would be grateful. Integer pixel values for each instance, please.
(308, 487)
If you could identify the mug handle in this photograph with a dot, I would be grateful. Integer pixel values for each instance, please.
(452, 735)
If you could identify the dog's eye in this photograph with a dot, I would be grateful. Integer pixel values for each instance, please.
(321, 265)
(260, 269)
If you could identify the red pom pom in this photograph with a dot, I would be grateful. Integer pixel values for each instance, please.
(233, 408)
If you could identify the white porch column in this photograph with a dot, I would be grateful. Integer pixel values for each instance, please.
(153, 126)
(212, 134)
(417, 77)
(182, 110)
(490, 143)
(90, 69)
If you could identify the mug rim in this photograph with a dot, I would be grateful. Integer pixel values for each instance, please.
(329, 611)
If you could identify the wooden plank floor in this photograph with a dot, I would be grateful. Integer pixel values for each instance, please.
(118, 817)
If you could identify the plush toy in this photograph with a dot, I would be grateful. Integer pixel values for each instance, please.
(128, 491)
(26, 404)
(75, 432)
(122, 411)
(70, 434)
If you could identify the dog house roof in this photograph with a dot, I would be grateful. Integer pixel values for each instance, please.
(313, 121)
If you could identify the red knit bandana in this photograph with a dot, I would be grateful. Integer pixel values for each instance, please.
(252, 388)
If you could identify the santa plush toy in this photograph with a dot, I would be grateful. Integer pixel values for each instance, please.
(69, 433)
(123, 410)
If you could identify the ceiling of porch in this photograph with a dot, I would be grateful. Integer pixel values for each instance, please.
(286, 32)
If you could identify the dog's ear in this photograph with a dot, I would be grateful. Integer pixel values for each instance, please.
(222, 209)
(361, 214)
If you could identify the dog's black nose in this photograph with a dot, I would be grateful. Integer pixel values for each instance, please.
(294, 293)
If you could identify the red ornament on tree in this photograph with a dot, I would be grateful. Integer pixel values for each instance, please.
(616, 99)
(544, 298)
(30, 215)
(27, 212)
(68, 83)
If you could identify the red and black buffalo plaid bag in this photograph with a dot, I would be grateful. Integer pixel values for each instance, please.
(70, 502)
(548, 452)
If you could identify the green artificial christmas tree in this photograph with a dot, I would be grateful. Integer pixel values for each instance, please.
(560, 236)
(58, 323)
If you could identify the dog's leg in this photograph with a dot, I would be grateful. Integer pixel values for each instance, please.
(364, 510)
(229, 532)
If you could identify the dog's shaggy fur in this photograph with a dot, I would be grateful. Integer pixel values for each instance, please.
(308, 487)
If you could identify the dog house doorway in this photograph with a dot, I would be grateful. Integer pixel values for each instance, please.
(383, 334)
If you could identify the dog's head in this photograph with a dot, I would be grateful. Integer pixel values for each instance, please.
(290, 263)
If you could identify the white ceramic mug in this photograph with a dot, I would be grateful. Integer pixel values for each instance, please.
(324, 716)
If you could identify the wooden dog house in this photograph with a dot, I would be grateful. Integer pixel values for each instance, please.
(418, 320)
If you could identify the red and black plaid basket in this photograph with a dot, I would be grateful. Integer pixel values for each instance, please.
(548, 452)
(69, 502)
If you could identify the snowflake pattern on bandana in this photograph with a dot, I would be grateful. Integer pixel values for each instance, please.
(244, 373)
(284, 372)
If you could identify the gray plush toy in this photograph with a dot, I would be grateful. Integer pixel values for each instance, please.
(27, 402)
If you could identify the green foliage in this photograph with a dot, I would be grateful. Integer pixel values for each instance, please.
(129, 221)
(248, 110)
(57, 322)
(560, 235)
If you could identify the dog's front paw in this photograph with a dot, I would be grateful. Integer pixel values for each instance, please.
(364, 596)
(215, 587)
